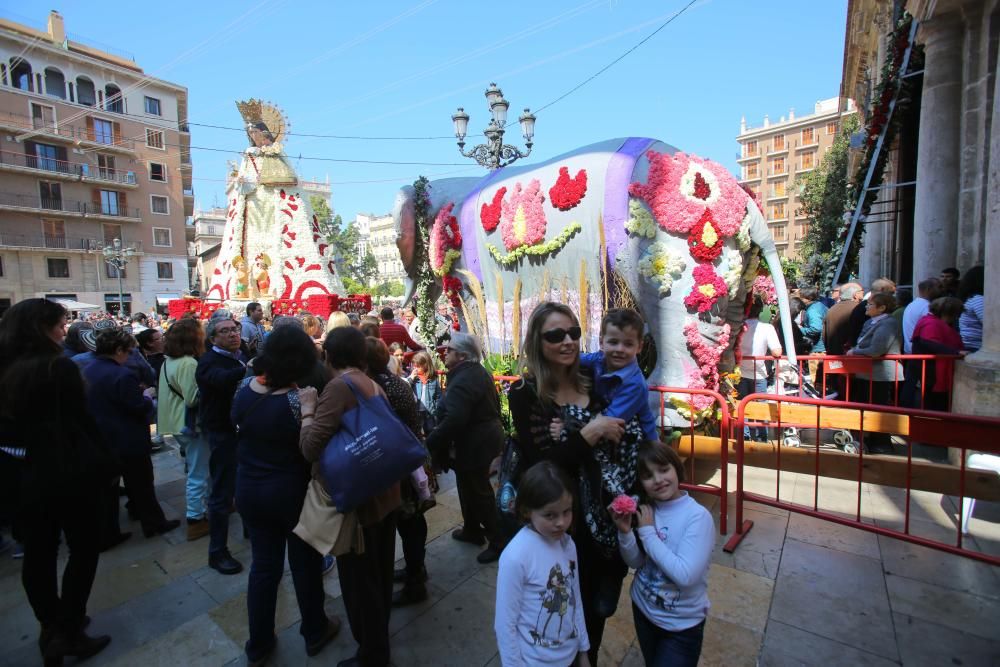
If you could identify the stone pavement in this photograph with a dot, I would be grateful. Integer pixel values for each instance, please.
(798, 591)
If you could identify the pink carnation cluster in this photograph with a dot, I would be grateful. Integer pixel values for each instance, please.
(695, 381)
(446, 239)
(763, 287)
(522, 218)
(624, 505)
(707, 356)
(708, 288)
(680, 187)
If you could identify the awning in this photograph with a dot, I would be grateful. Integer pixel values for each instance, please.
(70, 304)
(164, 299)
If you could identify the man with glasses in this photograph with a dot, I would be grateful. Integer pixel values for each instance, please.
(219, 372)
(468, 436)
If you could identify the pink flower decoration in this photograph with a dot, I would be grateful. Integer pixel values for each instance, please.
(763, 287)
(708, 288)
(624, 505)
(680, 187)
(522, 219)
(446, 239)
(706, 376)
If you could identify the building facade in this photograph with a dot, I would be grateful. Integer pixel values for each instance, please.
(91, 150)
(204, 238)
(947, 158)
(381, 242)
(775, 156)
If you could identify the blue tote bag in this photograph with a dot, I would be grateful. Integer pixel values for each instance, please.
(372, 451)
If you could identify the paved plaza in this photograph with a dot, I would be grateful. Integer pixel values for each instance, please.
(798, 591)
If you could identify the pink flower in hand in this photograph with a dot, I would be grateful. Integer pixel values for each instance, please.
(624, 505)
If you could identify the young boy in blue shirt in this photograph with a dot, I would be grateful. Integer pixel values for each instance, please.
(616, 374)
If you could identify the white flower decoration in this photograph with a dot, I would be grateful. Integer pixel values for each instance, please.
(661, 266)
(688, 183)
(734, 271)
(743, 236)
(640, 221)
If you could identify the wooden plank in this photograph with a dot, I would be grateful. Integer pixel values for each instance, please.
(876, 469)
(836, 418)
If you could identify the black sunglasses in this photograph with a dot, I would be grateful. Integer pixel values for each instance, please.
(559, 335)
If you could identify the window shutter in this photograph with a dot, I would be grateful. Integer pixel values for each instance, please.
(122, 204)
(90, 128)
(117, 129)
(95, 200)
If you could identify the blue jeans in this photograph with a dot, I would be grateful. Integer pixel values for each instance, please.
(666, 648)
(270, 505)
(222, 466)
(746, 387)
(196, 456)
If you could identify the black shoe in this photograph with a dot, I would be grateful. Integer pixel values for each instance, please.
(78, 645)
(265, 656)
(462, 536)
(332, 629)
(400, 576)
(409, 594)
(115, 541)
(164, 527)
(224, 563)
(488, 555)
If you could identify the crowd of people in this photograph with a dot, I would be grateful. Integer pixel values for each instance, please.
(254, 407)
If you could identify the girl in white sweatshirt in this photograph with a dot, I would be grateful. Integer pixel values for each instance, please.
(539, 617)
(677, 535)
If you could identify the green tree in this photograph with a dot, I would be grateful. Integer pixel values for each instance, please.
(824, 198)
(390, 288)
(344, 240)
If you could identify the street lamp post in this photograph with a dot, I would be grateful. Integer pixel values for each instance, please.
(495, 153)
(117, 256)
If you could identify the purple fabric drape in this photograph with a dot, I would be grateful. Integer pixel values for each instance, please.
(616, 182)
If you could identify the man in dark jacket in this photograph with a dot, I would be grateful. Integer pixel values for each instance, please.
(219, 372)
(468, 437)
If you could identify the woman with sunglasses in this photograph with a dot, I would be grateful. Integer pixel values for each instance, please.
(552, 387)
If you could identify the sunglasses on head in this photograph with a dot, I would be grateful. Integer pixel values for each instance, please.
(559, 335)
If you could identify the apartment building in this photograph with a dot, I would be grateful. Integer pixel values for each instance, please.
(91, 150)
(380, 240)
(204, 236)
(775, 156)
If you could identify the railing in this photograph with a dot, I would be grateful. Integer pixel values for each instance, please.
(79, 169)
(30, 124)
(965, 433)
(58, 242)
(188, 192)
(66, 206)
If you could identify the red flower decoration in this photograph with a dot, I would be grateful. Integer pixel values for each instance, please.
(489, 214)
(708, 288)
(452, 286)
(704, 239)
(701, 188)
(568, 192)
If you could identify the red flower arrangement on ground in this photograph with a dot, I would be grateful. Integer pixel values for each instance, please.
(445, 241)
(489, 214)
(704, 240)
(568, 192)
(708, 288)
(680, 187)
(522, 219)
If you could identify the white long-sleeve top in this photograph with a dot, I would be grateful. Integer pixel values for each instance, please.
(539, 616)
(671, 580)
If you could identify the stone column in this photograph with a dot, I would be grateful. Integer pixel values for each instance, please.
(936, 209)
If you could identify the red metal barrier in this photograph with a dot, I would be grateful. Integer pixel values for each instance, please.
(721, 491)
(964, 432)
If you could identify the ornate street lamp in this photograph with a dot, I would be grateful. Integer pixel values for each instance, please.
(117, 256)
(494, 153)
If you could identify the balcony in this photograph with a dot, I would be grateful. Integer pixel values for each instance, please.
(805, 147)
(778, 151)
(76, 135)
(10, 201)
(67, 171)
(751, 179)
(777, 195)
(749, 156)
(60, 243)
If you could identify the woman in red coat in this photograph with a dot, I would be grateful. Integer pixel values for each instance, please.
(935, 333)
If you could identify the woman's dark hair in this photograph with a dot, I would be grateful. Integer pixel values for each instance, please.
(883, 300)
(144, 338)
(25, 327)
(289, 355)
(795, 306)
(755, 309)
(73, 342)
(346, 347)
(657, 453)
(947, 307)
(972, 283)
(543, 483)
(185, 338)
(111, 341)
(370, 329)
(378, 356)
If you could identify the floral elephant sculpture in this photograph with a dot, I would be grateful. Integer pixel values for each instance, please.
(621, 222)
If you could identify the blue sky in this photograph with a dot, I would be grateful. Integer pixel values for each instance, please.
(401, 67)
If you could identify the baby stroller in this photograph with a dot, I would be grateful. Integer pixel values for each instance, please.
(789, 382)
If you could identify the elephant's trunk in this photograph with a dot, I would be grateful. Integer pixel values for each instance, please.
(761, 235)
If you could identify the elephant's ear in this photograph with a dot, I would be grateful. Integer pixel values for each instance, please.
(406, 230)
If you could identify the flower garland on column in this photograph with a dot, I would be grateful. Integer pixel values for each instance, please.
(425, 276)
